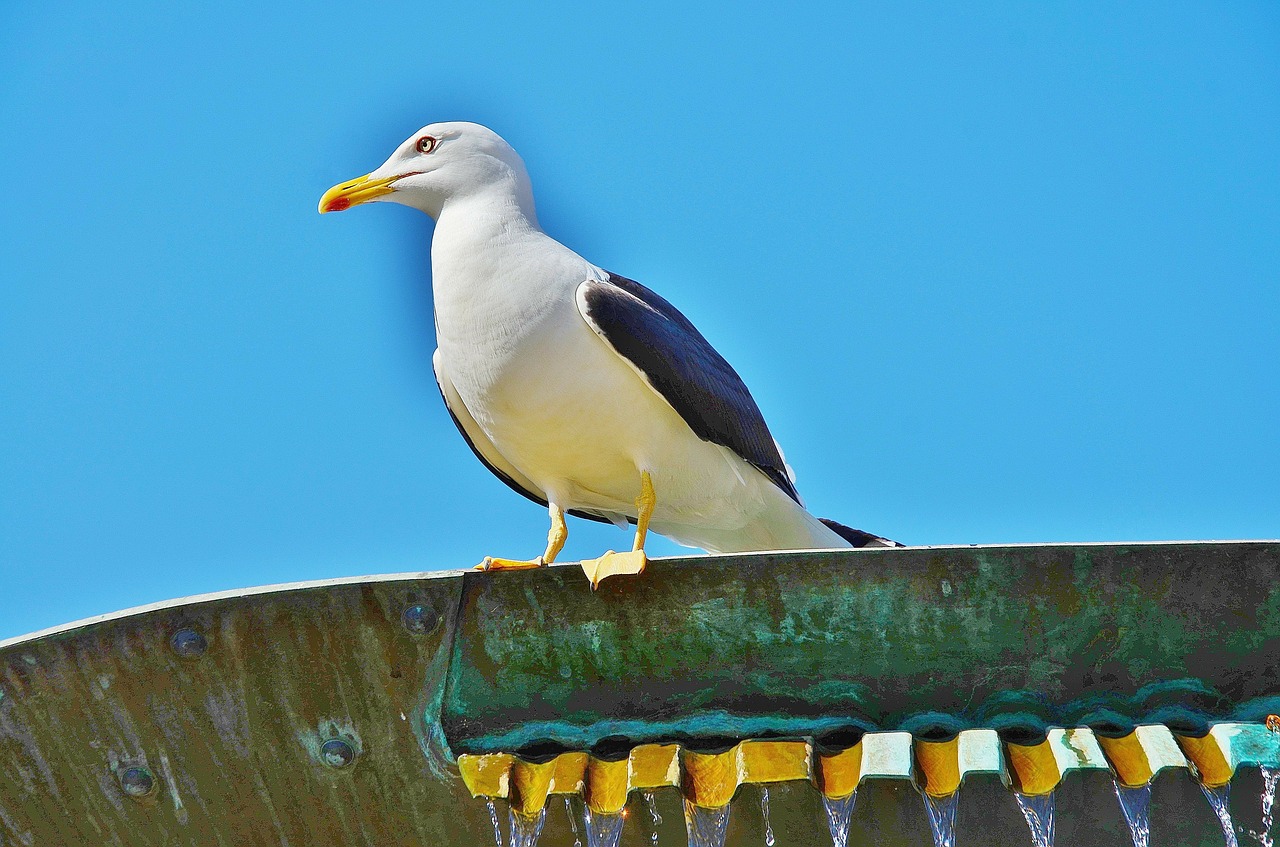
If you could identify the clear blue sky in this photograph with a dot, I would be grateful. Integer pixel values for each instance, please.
(995, 274)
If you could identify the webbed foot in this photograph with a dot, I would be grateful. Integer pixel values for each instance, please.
(614, 564)
(492, 563)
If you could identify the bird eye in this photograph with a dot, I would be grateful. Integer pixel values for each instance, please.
(427, 143)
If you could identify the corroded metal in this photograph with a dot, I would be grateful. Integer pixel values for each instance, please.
(332, 713)
(926, 639)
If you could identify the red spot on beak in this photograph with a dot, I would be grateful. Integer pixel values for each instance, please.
(338, 204)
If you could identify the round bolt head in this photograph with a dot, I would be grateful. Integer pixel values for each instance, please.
(137, 781)
(419, 620)
(189, 643)
(337, 753)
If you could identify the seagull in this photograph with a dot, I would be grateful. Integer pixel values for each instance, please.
(580, 389)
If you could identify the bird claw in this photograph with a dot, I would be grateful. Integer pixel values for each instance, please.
(614, 564)
(492, 563)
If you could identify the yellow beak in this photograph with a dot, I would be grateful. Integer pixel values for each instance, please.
(354, 192)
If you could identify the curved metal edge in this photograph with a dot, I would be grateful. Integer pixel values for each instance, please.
(282, 587)
(214, 596)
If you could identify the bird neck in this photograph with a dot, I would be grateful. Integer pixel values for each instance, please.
(483, 226)
(508, 199)
(495, 273)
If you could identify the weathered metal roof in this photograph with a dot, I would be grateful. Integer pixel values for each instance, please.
(333, 712)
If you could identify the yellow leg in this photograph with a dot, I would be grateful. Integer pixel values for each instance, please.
(613, 564)
(644, 510)
(556, 537)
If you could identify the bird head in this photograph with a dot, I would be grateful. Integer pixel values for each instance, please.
(439, 163)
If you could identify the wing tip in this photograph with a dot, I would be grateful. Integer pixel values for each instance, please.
(858, 537)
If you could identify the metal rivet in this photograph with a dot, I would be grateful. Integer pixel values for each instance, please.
(189, 643)
(337, 753)
(137, 782)
(420, 620)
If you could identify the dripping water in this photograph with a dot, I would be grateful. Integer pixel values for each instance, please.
(1136, 805)
(1038, 810)
(942, 818)
(1270, 777)
(706, 827)
(764, 812)
(525, 829)
(839, 812)
(651, 803)
(493, 817)
(1220, 799)
(573, 821)
(604, 830)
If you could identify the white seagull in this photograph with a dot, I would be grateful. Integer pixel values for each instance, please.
(580, 389)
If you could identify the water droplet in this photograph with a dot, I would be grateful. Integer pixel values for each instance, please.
(493, 818)
(573, 820)
(764, 813)
(706, 827)
(651, 803)
(839, 812)
(1038, 810)
(1219, 800)
(337, 753)
(189, 643)
(1136, 805)
(604, 830)
(137, 782)
(419, 620)
(525, 829)
(942, 818)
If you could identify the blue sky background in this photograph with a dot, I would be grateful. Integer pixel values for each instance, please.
(997, 274)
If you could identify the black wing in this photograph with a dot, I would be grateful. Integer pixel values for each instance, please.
(679, 364)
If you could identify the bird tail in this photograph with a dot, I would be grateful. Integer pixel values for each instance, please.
(857, 537)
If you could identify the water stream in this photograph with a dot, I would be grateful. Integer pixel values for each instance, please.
(706, 827)
(942, 818)
(573, 821)
(604, 830)
(525, 829)
(1270, 777)
(651, 803)
(493, 817)
(709, 827)
(1136, 805)
(1220, 800)
(1038, 810)
(764, 812)
(839, 812)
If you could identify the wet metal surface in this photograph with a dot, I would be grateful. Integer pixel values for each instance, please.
(294, 718)
(328, 714)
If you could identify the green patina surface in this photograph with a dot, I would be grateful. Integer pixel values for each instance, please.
(744, 646)
(801, 643)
